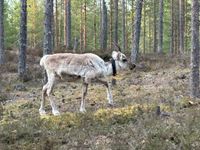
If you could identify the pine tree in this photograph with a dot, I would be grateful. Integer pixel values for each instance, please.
(23, 41)
(160, 28)
(68, 23)
(194, 80)
(137, 30)
(115, 35)
(2, 51)
(104, 25)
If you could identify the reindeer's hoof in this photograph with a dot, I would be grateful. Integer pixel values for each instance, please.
(42, 112)
(82, 110)
(56, 112)
(110, 105)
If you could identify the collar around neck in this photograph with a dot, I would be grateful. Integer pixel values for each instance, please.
(114, 70)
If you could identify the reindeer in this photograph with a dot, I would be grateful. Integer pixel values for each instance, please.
(89, 67)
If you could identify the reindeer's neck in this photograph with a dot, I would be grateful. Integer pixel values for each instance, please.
(109, 68)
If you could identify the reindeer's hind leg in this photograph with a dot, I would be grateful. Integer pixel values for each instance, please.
(44, 90)
(51, 80)
(85, 82)
(84, 93)
(108, 90)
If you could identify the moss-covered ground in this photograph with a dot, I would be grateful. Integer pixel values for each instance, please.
(152, 110)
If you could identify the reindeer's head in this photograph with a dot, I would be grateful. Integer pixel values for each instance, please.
(122, 60)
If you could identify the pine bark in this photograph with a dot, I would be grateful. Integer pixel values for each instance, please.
(137, 30)
(144, 28)
(194, 81)
(56, 23)
(155, 26)
(95, 26)
(81, 28)
(115, 34)
(2, 51)
(123, 26)
(48, 28)
(68, 23)
(104, 22)
(181, 26)
(160, 28)
(84, 29)
(171, 51)
(111, 23)
(23, 41)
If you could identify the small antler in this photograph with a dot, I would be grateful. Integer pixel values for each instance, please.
(116, 46)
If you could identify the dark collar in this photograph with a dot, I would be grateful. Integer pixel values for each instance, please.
(114, 70)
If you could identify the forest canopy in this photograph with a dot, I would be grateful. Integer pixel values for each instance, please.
(90, 21)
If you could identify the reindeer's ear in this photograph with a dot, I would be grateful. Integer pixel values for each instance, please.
(115, 55)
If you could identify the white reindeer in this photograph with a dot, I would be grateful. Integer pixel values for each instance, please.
(89, 67)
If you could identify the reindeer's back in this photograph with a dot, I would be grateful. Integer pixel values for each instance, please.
(74, 64)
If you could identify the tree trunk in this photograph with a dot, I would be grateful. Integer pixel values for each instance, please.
(23, 41)
(144, 28)
(56, 23)
(2, 51)
(68, 24)
(52, 24)
(103, 37)
(115, 21)
(95, 26)
(155, 26)
(160, 28)
(136, 34)
(84, 30)
(48, 28)
(181, 26)
(111, 23)
(171, 51)
(194, 81)
(75, 45)
(150, 29)
(123, 26)
(81, 28)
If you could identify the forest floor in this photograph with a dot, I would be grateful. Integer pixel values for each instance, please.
(134, 122)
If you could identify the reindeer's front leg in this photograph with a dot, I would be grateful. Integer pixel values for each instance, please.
(84, 93)
(108, 90)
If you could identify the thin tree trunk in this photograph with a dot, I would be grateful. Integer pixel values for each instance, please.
(186, 27)
(81, 28)
(111, 23)
(68, 24)
(123, 26)
(85, 21)
(132, 20)
(194, 81)
(95, 26)
(155, 26)
(160, 28)
(52, 25)
(103, 36)
(137, 28)
(171, 51)
(56, 24)
(48, 28)
(115, 21)
(150, 28)
(2, 51)
(61, 29)
(181, 26)
(144, 28)
(23, 41)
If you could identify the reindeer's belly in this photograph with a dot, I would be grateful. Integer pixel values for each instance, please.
(69, 78)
